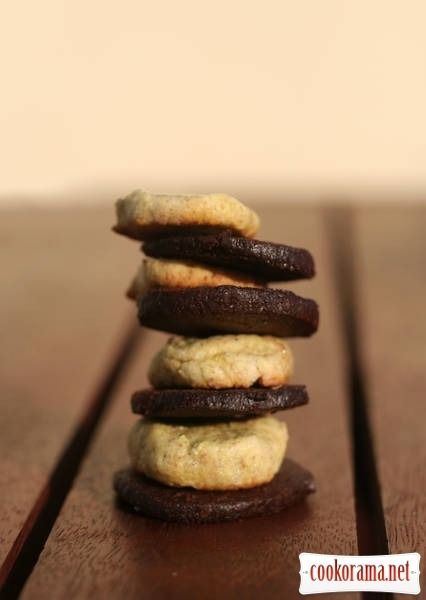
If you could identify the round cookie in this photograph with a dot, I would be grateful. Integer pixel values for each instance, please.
(217, 404)
(209, 456)
(142, 215)
(222, 361)
(184, 505)
(154, 273)
(203, 311)
(270, 261)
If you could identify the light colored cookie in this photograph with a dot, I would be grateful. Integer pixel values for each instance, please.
(138, 285)
(158, 272)
(222, 361)
(141, 215)
(222, 456)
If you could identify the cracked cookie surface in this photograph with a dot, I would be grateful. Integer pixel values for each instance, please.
(222, 361)
(219, 456)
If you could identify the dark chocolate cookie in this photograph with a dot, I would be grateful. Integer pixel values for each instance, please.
(237, 403)
(203, 311)
(269, 261)
(186, 505)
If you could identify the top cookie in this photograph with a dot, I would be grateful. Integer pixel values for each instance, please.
(142, 215)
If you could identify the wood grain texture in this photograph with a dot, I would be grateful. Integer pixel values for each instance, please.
(98, 550)
(62, 314)
(391, 283)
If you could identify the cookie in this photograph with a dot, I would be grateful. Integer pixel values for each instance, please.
(210, 456)
(222, 361)
(154, 273)
(184, 505)
(142, 215)
(272, 262)
(203, 311)
(217, 404)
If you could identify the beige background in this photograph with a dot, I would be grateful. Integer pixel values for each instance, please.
(99, 97)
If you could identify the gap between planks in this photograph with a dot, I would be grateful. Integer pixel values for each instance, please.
(370, 520)
(27, 547)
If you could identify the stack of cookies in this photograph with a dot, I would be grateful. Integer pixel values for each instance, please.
(207, 448)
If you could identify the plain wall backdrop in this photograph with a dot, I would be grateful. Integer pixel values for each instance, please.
(101, 96)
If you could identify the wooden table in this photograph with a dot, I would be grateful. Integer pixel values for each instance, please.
(71, 354)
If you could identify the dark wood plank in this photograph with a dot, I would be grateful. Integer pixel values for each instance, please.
(391, 281)
(97, 550)
(62, 314)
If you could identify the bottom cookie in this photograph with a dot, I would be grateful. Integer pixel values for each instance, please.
(186, 505)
